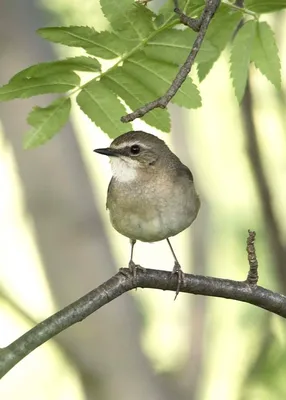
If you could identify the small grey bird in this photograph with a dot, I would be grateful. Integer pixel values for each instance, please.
(151, 195)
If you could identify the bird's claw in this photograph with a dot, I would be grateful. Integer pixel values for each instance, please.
(133, 268)
(178, 271)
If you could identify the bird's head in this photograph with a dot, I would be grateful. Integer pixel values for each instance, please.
(136, 152)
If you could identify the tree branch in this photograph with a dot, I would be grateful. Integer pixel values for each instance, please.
(121, 283)
(201, 25)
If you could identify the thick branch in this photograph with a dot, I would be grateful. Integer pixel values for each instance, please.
(121, 283)
(162, 102)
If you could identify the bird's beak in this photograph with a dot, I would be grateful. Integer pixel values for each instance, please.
(108, 151)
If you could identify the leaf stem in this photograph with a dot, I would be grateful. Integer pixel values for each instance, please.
(242, 9)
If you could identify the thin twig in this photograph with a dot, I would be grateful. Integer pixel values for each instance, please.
(163, 101)
(193, 23)
(252, 277)
(121, 283)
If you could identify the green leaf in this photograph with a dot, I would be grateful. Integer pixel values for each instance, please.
(103, 107)
(46, 122)
(166, 12)
(115, 10)
(192, 8)
(28, 87)
(173, 46)
(219, 33)
(135, 95)
(265, 54)
(82, 63)
(75, 36)
(222, 26)
(109, 45)
(204, 68)
(265, 6)
(240, 57)
(158, 77)
(134, 22)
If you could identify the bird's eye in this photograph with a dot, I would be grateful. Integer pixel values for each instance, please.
(135, 149)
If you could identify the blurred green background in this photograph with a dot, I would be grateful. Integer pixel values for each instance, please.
(56, 242)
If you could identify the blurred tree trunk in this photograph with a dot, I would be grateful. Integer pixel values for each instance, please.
(190, 376)
(270, 219)
(69, 231)
(261, 362)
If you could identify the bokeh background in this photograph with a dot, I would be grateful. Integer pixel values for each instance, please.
(56, 242)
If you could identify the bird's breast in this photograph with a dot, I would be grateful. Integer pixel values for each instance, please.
(153, 211)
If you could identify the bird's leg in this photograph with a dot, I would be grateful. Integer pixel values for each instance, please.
(132, 266)
(177, 270)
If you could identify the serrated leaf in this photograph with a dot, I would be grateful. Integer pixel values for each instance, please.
(103, 107)
(219, 33)
(240, 57)
(265, 6)
(265, 53)
(109, 45)
(28, 87)
(192, 8)
(115, 10)
(133, 22)
(222, 26)
(46, 122)
(173, 46)
(75, 36)
(158, 77)
(88, 64)
(135, 95)
(204, 68)
(166, 12)
(137, 24)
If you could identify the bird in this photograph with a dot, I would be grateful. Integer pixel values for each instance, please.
(151, 195)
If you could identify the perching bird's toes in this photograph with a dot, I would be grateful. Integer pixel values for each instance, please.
(178, 271)
(134, 268)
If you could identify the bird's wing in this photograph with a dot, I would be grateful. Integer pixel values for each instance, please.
(185, 171)
(108, 193)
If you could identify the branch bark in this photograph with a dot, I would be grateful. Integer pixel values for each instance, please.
(201, 25)
(121, 283)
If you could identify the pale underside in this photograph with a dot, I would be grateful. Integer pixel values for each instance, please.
(153, 209)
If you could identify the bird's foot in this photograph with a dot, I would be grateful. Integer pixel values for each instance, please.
(133, 268)
(178, 271)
